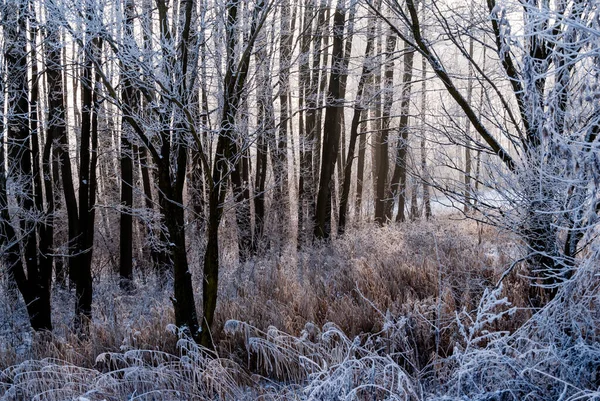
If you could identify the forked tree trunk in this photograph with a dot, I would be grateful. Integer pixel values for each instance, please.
(33, 279)
(225, 155)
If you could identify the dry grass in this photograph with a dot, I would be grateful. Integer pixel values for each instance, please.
(427, 268)
(393, 291)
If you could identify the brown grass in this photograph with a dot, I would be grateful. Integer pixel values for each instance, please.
(425, 271)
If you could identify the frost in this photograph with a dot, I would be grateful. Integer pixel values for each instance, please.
(232, 326)
(171, 328)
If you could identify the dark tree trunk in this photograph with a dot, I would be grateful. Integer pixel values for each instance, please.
(225, 155)
(341, 161)
(56, 132)
(358, 110)
(304, 181)
(375, 112)
(126, 159)
(318, 85)
(241, 194)
(398, 182)
(332, 128)
(424, 169)
(381, 216)
(87, 185)
(45, 228)
(33, 279)
(278, 146)
(266, 130)
(467, 174)
(360, 168)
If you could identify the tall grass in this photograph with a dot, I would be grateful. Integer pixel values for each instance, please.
(409, 313)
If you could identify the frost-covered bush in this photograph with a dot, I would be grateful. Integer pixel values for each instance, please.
(555, 355)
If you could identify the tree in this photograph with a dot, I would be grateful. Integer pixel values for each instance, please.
(382, 156)
(359, 108)
(332, 127)
(226, 154)
(88, 157)
(126, 158)
(544, 146)
(32, 278)
(166, 142)
(398, 181)
(278, 145)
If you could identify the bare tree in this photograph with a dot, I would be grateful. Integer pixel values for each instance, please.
(27, 258)
(545, 212)
(332, 127)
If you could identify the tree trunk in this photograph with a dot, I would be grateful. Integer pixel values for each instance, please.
(332, 127)
(279, 150)
(359, 107)
(381, 217)
(33, 279)
(398, 182)
(467, 175)
(225, 155)
(126, 159)
(305, 202)
(318, 86)
(424, 169)
(265, 131)
(87, 185)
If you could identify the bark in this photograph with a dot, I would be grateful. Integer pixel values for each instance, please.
(126, 160)
(467, 175)
(305, 197)
(57, 123)
(341, 162)
(375, 112)
(225, 155)
(279, 157)
(32, 279)
(398, 182)
(172, 166)
(87, 184)
(240, 181)
(381, 217)
(318, 86)
(265, 131)
(424, 169)
(331, 140)
(359, 108)
(360, 169)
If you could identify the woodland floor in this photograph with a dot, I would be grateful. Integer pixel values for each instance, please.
(377, 314)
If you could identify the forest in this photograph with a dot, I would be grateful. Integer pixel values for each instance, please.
(299, 200)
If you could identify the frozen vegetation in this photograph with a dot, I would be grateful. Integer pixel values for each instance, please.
(411, 313)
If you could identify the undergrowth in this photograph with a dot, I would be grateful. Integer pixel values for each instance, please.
(410, 313)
